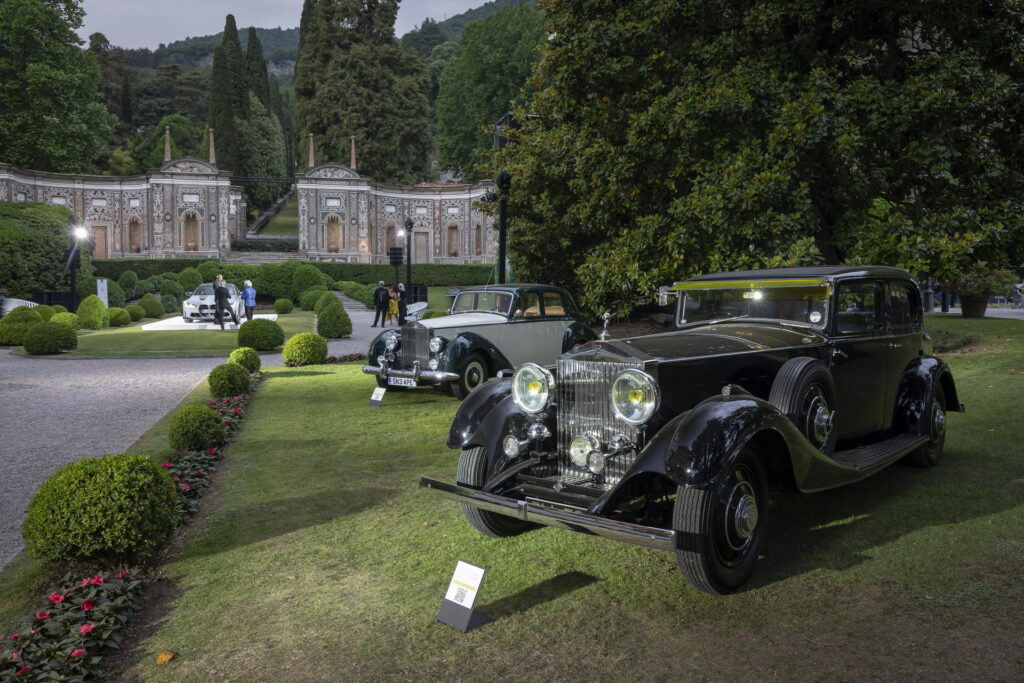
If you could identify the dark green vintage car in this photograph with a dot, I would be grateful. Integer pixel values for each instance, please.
(489, 329)
(805, 377)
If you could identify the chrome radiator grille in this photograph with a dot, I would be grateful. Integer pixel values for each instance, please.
(584, 407)
(414, 345)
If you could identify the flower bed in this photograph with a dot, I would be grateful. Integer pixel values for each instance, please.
(347, 358)
(81, 621)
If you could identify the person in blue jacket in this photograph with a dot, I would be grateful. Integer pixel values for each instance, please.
(249, 299)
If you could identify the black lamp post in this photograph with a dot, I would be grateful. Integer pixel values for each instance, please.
(504, 182)
(77, 234)
(408, 254)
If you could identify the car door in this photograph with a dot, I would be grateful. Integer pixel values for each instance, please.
(556, 320)
(904, 324)
(857, 357)
(522, 338)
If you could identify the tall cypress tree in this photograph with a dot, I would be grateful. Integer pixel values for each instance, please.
(236, 67)
(256, 69)
(222, 111)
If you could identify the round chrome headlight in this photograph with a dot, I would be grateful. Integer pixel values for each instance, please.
(635, 396)
(391, 342)
(436, 344)
(595, 462)
(510, 444)
(432, 364)
(381, 359)
(532, 386)
(581, 447)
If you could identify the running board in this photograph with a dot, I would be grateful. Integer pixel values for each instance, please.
(870, 457)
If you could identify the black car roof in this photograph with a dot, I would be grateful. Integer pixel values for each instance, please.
(510, 288)
(805, 272)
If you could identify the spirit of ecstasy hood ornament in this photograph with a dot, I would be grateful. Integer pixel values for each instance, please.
(606, 316)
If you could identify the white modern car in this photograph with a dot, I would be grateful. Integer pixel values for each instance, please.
(200, 306)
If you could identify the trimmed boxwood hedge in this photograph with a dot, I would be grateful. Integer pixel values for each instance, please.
(119, 317)
(197, 428)
(129, 283)
(112, 509)
(135, 312)
(332, 320)
(49, 337)
(246, 357)
(45, 312)
(69, 319)
(189, 279)
(283, 306)
(306, 348)
(170, 303)
(15, 324)
(308, 299)
(260, 334)
(92, 313)
(229, 379)
(143, 267)
(152, 306)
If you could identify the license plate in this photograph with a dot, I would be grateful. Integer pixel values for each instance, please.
(401, 382)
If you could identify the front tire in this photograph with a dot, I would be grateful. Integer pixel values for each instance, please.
(933, 425)
(472, 374)
(472, 472)
(805, 392)
(723, 526)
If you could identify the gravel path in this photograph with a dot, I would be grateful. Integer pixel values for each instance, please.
(56, 410)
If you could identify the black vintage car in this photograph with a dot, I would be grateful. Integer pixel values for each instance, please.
(808, 377)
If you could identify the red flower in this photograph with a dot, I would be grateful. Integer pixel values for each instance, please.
(56, 598)
(43, 615)
(14, 636)
(212, 451)
(168, 465)
(175, 479)
(87, 605)
(121, 575)
(22, 670)
(78, 653)
(185, 487)
(236, 410)
(85, 581)
(97, 580)
(14, 655)
(200, 473)
(245, 395)
(86, 628)
(236, 398)
(225, 420)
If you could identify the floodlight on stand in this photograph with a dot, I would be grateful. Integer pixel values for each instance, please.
(80, 232)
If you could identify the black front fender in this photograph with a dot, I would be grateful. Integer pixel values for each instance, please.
(915, 391)
(462, 346)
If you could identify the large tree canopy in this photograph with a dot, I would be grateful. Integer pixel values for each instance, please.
(352, 78)
(482, 82)
(51, 115)
(681, 136)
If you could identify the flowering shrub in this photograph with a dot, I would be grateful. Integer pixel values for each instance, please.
(190, 471)
(231, 410)
(982, 280)
(80, 620)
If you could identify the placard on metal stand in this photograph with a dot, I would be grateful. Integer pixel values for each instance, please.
(457, 606)
(377, 397)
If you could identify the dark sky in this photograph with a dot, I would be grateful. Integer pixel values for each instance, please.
(147, 23)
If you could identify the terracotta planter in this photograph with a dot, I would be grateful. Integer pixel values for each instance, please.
(333, 248)
(973, 306)
(191, 246)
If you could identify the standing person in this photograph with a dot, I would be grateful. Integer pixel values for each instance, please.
(403, 304)
(393, 304)
(221, 301)
(381, 302)
(249, 299)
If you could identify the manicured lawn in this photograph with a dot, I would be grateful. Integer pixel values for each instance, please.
(323, 559)
(134, 342)
(285, 223)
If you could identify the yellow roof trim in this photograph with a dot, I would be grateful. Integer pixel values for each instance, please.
(750, 284)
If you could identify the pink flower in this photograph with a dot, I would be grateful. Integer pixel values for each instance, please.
(185, 487)
(225, 420)
(14, 636)
(14, 655)
(43, 615)
(200, 473)
(97, 580)
(85, 581)
(122, 575)
(33, 631)
(87, 605)
(22, 670)
(236, 410)
(86, 628)
(245, 395)
(236, 398)
(212, 451)
(56, 598)
(168, 465)
(175, 479)
(78, 653)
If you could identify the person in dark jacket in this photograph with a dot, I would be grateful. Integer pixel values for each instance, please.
(221, 298)
(403, 304)
(381, 299)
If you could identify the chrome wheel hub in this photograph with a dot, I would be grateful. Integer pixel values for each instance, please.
(746, 516)
(938, 423)
(741, 515)
(820, 419)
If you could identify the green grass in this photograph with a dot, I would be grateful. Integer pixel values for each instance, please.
(323, 556)
(285, 223)
(134, 342)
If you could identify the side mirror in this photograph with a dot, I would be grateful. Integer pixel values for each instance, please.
(518, 313)
(665, 294)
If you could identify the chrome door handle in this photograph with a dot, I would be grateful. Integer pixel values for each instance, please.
(837, 353)
(894, 345)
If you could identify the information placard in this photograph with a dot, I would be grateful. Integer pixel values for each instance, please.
(101, 291)
(377, 397)
(465, 584)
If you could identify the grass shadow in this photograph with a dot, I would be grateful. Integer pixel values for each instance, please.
(545, 591)
(311, 373)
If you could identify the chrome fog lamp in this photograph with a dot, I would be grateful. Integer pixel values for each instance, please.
(511, 446)
(436, 344)
(595, 462)
(635, 396)
(531, 387)
(581, 447)
(537, 431)
(391, 343)
(381, 359)
(432, 364)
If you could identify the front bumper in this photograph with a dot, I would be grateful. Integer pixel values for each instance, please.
(426, 376)
(538, 513)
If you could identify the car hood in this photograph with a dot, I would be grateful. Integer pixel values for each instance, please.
(700, 342)
(207, 298)
(462, 320)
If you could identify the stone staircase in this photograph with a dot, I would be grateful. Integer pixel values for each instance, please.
(254, 258)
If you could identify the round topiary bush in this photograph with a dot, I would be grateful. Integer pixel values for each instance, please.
(208, 270)
(283, 306)
(170, 303)
(152, 306)
(260, 334)
(45, 312)
(305, 277)
(306, 348)
(307, 301)
(115, 295)
(147, 286)
(168, 285)
(15, 324)
(50, 337)
(90, 313)
(189, 279)
(230, 379)
(247, 357)
(111, 509)
(69, 319)
(57, 308)
(332, 319)
(119, 317)
(129, 282)
(196, 428)
(135, 311)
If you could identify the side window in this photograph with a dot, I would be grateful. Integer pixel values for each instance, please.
(553, 304)
(857, 307)
(529, 305)
(904, 306)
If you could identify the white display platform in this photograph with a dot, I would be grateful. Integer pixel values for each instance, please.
(176, 323)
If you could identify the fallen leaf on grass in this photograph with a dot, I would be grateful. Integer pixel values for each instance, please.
(165, 657)
(429, 524)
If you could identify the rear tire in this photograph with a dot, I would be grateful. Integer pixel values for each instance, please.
(472, 472)
(472, 374)
(933, 424)
(805, 392)
(723, 525)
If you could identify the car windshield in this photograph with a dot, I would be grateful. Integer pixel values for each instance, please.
(486, 302)
(805, 303)
(207, 290)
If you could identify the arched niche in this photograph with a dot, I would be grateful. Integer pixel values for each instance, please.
(190, 231)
